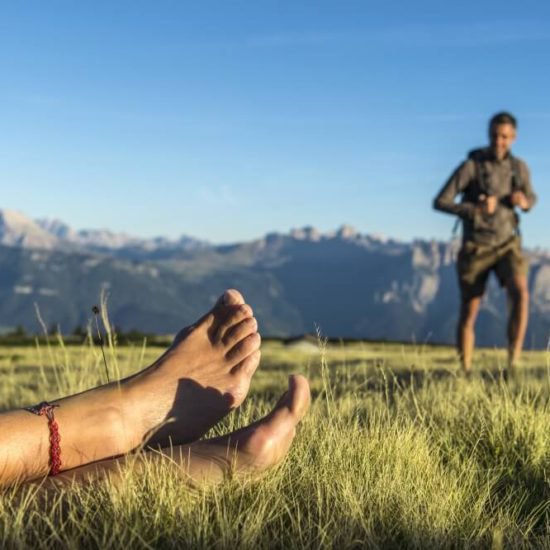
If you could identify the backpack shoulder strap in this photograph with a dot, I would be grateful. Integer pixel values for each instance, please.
(516, 177)
(476, 155)
(516, 186)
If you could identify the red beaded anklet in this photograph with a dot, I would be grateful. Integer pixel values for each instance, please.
(46, 409)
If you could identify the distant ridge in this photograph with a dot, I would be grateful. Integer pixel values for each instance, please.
(349, 284)
(16, 229)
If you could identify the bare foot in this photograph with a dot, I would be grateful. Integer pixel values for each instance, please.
(252, 449)
(204, 374)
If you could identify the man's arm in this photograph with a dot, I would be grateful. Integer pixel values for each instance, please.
(524, 197)
(459, 180)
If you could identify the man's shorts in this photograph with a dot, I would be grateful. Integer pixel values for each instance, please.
(475, 263)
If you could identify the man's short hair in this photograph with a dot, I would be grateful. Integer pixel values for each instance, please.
(503, 118)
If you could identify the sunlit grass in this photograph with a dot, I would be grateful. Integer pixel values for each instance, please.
(397, 450)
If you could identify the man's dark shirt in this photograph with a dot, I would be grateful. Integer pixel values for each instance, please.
(498, 177)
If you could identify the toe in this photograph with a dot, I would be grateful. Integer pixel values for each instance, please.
(232, 297)
(247, 367)
(217, 314)
(244, 348)
(298, 396)
(231, 316)
(242, 376)
(295, 400)
(240, 331)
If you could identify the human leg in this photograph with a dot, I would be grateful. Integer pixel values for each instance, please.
(469, 309)
(512, 270)
(247, 451)
(473, 267)
(518, 297)
(204, 374)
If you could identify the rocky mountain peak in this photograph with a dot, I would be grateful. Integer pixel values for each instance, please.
(347, 232)
(307, 233)
(16, 229)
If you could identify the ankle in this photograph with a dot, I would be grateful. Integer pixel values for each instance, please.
(136, 412)
(96, 425)
(466, 368)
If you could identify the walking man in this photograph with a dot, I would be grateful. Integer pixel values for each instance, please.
(494, 184)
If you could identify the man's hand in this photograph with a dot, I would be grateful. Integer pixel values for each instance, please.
(488, 204)
(518, 198)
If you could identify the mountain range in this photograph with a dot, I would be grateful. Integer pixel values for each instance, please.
(348, 284)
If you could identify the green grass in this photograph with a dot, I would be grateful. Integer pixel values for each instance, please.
(397, 450)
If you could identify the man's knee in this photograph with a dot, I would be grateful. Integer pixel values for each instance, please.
(518, 289)
(468, 313)
(468, 321)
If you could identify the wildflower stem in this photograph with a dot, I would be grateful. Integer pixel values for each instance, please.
(96, 312)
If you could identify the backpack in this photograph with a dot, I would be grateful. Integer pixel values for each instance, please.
(481, 185)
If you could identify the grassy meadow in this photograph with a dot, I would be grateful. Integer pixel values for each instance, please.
(396, 451)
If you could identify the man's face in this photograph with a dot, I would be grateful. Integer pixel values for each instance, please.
(501, 137)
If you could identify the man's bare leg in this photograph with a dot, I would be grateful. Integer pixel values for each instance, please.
(203, 375)
(518, 297)
(247, 451)
(469, 310)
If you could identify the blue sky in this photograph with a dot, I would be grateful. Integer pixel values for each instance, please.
(226, 120)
